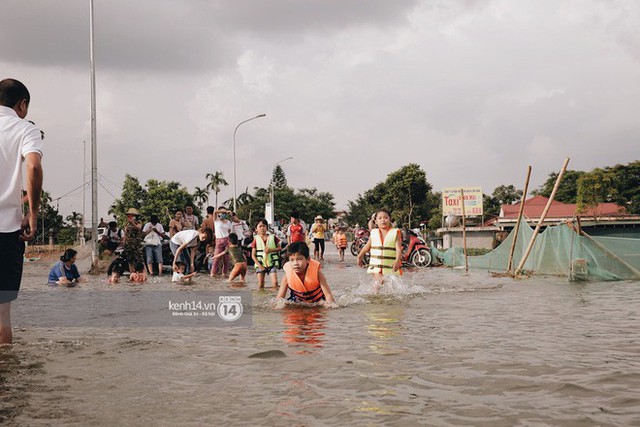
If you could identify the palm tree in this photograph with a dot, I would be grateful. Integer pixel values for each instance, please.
(201, 196)
(216, 182)
(75, 219)
(245, 198)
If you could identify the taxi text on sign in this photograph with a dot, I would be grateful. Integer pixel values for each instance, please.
(472, 201)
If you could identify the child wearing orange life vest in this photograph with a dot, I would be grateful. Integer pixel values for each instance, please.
(385, 245)
(340, 240)
(303, 278)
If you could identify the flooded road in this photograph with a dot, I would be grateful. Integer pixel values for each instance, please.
(437, 348)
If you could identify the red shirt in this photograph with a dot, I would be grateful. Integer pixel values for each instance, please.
(297, 233)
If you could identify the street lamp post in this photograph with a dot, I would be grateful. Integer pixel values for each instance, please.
(272, 198)
(235, 178)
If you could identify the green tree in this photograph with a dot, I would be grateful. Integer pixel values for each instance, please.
(49, 219)
(435, 221)
(216, 182)
(405, 192)
(568, 189)
(627, 183)
(308, 201)
(158, 197)
(596, 187)
(278, 178)
(201, 196)
(132, 196)
(502, 195)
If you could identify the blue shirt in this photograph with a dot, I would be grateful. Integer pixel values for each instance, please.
(59, 270)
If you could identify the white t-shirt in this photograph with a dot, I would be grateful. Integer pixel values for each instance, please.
(222, 228)
(177, 277)
(152, 239)
(190, 222)
(112, 236)
(239, 228)
(186, 236)
(18, 138)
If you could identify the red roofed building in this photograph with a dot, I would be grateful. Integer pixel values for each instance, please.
(606, 219)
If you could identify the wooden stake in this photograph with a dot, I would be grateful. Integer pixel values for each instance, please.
(542, 218)
(464, 233)
(517, 228)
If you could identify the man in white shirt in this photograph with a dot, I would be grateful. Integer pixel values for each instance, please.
(20, 142)
(238, 226)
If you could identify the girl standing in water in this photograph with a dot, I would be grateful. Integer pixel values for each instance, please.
(385, 245)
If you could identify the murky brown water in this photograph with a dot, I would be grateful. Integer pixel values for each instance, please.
(440, 349)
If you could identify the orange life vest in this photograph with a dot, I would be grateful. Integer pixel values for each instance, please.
(341, 240)
(309, 290)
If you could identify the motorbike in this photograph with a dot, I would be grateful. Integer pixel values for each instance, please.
(415, 252)
(360, 238)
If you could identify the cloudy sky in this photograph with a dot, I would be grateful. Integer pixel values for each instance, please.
(473, 91)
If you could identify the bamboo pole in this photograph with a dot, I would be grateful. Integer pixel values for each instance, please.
(517, 228)
(542, 218)
(464, 233)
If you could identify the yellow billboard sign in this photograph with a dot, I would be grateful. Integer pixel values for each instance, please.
(451, 202)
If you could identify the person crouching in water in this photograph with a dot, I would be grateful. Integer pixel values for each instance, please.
(302, 276)
(178, 273)
(65, 272)
(266, 254)
(139, 275)
(385, 245)
(237, 259)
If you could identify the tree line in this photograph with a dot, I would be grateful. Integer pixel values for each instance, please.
(406, 193)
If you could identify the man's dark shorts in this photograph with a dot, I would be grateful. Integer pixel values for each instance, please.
(11, 260)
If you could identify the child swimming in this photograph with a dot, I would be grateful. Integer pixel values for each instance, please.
(178, 273)
(303, 278)
(139, 275)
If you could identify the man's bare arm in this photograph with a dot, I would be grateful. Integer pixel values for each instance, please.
(33, 165)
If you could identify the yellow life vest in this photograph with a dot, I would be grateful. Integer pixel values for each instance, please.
(273, 259)
(383, 254)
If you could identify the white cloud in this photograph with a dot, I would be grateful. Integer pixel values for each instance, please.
(474, 91)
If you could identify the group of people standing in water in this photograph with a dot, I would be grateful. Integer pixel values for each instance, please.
(221, 234)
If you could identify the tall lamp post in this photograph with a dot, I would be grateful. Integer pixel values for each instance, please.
(235, 178)
(271, 198)
(94, 145)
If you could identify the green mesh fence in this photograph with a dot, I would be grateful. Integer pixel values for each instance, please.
(559, 251)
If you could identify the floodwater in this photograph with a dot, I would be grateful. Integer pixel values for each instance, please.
(438, 348)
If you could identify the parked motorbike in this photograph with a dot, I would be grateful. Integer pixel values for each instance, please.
(415, 250)
(120, 260)
(360, 238)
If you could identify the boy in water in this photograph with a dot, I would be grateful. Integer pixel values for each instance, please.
(178, 273)
(237, 258)
(139, 275)
(385, 244)
(303, 277)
